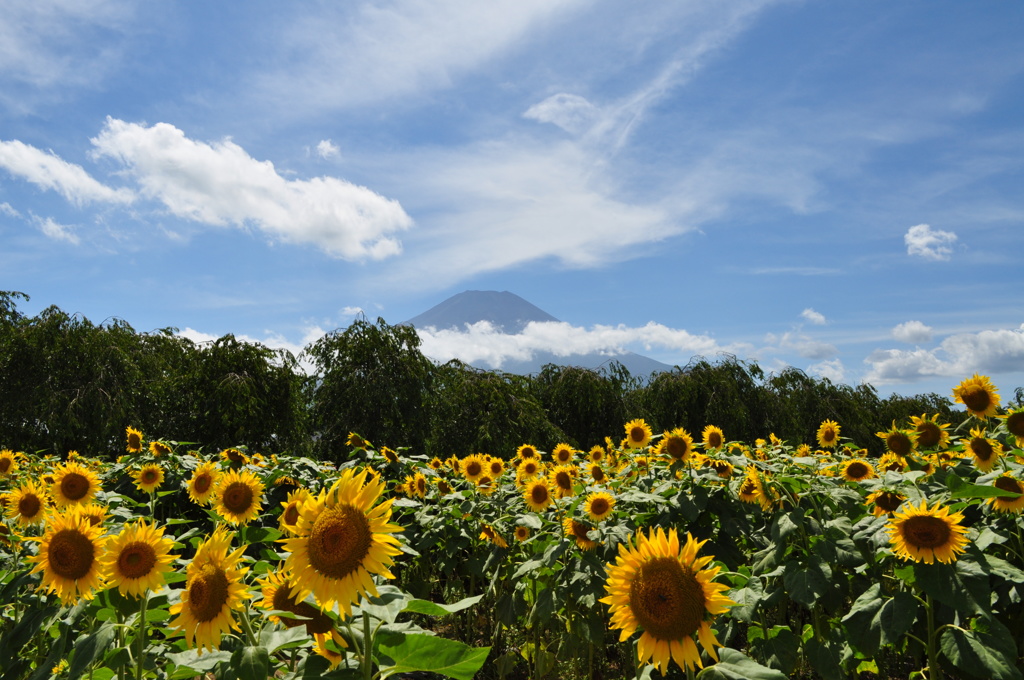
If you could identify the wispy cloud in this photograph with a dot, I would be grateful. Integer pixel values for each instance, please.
(219, 184)
(989, 351)
(922, 241)
(6, 209)
(816, 318)
(48, 171)
(56, 231)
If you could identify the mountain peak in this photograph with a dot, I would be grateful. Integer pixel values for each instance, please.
(506, 311)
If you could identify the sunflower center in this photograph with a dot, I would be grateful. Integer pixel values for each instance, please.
(976, 398)
(238, 498)
(1015, 423)
(599, 506)
(530, 469)
(899, 443)
(928, 434)
(564, 481)
(234, 455)
(136, 560)
(149, 476)
(5, 465)
(714, 440)
(1008, 484)
(925, 531)
(291, 515)
(982, 449)
(857, 470)
(71, 554)
(667, 599)
(539, 494)
(208, 593)
(888, 501)
(318, 621)
(579, 530)
(134, 442)
(201, 484)
(474, 468)
(340, 539)
(74, 486)
(597, 473)
(723, 468)
(29, 505)
(637, 434)
(676, 447)
(748, 488)
(828, 435)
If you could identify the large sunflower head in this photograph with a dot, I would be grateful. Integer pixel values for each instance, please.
(857, 470)
(986, 451)
(925, 534)
(1014, 422)
(979, 395)
(527, 451)
(238, 496)
(345, 538)
(202, 483)
(931, 434)
(1007, 482)
(665, 590)
(900, 442)
(828, 434)
(137, 559)
(563, 479)
(638, 434)
(149, 477)
(74, 483)
(578, 530)
(28, 504)
(69, 557)
(597, 473)
(134, 437)
(495, 468)
(277, 588)
(537, 494)
(562, 454)
(8, 462)
(473, 467)
(713, 437)
(599, 505)
(213, 588)
(596, 454)
(677, 445)
(529, 468)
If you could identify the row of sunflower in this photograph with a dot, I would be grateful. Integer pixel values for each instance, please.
(762, 560)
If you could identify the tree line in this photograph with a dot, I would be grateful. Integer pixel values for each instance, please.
(70, 384)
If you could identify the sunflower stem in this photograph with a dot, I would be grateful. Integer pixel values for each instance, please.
(140, 658)
(367, 648)
(934, 670)
(247, 627)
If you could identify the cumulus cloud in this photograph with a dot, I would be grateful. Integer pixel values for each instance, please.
(56, 231)
(482, 342)
(931, 245)
(48, 171)
(989, 351)
(570, 112)
(219, 184)
(327, 149)
(272, 340)
(817, 318)
(831, 369)
(913, 332)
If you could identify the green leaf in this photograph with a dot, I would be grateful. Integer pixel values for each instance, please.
(191, 663)
(804, 583)
(251, 663)
(275, 639)
(387, 605)
(825, 658)
(747, 599)
(859, 623)
(89, 648)
(962, 585)
(779, 648)
(974, 652)
(434, 609)
(733, 665)
(896, 617)
(409, 653)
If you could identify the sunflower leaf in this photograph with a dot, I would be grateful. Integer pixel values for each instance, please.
(410, 653)
(962, 585)
(896, 617)
(981, 653)
(860, 623)
(734, 665)
(251, 663)
(435, 609)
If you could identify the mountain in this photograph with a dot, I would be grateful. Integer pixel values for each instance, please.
(510, 314)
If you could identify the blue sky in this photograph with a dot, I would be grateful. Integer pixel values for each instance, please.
(836, 186)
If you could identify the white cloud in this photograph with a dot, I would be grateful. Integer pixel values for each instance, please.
(913, 332)
(220, 184)
(931, 245)
(570, 112)
(49, 171)
(990, 352)
(832, 369)
(481, 342)
(817, 318)
(327, 149)
(803, 345)
(272, 340)
(6, 209)
(352, 311)
(56, 231)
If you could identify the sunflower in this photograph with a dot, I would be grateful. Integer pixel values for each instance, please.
(599, 505)
(750, 488)
(713, 437)
(137, 559)
(238, 496)
(1014, 421)
(357, 442)
(527, 451)
(149, 477)
(986, 452)
(562, 454)
(979, 395)
(563, 478)
(828, 434)
(69, 557)
(924, 534)
(94, 512)
(857, 470)
(496, 467)
(537, 494)
(596, 454)
(578, 530)
(235, 457)
(289, 521)
(485, 485)
(203, 482)
(677, 445)
(74, 483)
(28, 503)
(596, 473)
(213, 589)
(884, 502)
(723, 468)
(931, 434)
(473, 467)
(1007, 482)
(8, 462)
(488, 533)
(638, 434)
(390, 454)
(134, 439)
(277, 588)
(667, 591)
(443, 487)
(890, 462)
(529, 468)
(436, 464)
(522, 533)
(344, 539)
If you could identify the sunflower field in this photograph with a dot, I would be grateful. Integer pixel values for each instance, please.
(672, 554)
